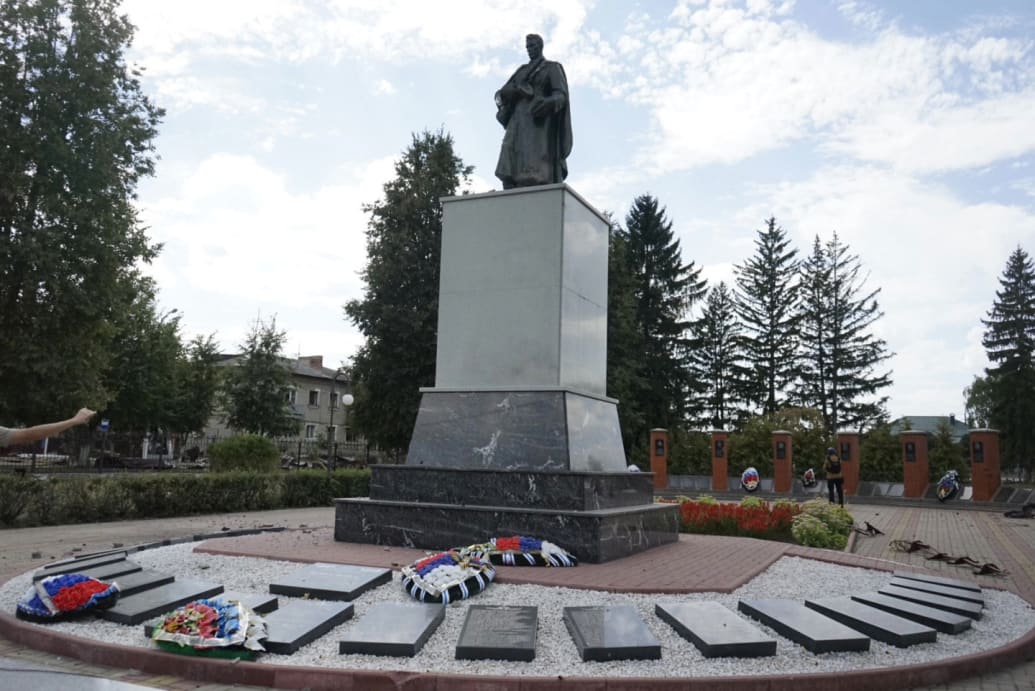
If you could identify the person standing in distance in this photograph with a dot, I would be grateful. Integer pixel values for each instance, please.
(835, 477)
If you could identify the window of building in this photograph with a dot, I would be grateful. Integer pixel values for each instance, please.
(290, 395)
(310, 431)
(332, 433)
(334, 399)
(314, 397)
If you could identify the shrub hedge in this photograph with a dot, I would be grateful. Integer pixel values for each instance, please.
(247, 452)
(28, 501)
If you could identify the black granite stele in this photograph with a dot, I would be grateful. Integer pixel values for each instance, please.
(943, 590)
(496, 632)
(136, 609)
(392, 628)
(610, 633)
(938, 619)
(876, 623)
(948, 604)
(77, 565)
(592, 536)
(939, 580)
(260, 603)
(715, 630)
(810, 629)
(108, 572)
(560, 490)
(301, 622)
(139, 581)
(331, 581)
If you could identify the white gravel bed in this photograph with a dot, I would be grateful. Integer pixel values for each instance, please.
(1006, 618)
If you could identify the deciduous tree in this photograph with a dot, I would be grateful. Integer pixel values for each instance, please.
(255, 394)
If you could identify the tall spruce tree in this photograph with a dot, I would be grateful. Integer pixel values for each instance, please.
(839, 355)
(398, 313)
(1009, 342)
(664, 290)
(716, 360)
(766, 296)
(76, 136)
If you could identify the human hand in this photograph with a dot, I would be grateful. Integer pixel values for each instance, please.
(83, 416)
(541, 108)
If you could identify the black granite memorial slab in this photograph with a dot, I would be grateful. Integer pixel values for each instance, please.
(876, 623)
(939, 580)
(944, 591)
(498, 633)
(715, 630)
(614, 632)
(301, 622)
(260, 603)
(136, 609)
(76, 565)
(948, 604)
(125, 551)
(392, 628)
(108, 572)
(331, 581)
(139, 581)
(813, 631)
(938, 619)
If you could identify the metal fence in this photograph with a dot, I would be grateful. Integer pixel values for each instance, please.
(100, 452)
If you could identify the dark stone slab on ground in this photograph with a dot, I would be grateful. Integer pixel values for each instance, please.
(560, 490)
(610, 633)
(139, 581)
(77, 565)
(949, 604)
(810, 629)
(136, 609)
(331, 581)
(237, 532)
(592, 536)
(124, 551)
(715, 630)
(392, 628)
(875, 623)
(302, 622)
(109, 572)
(937, 619)
(939, 580)
(943, 590)
(494, 632)
(260, 603)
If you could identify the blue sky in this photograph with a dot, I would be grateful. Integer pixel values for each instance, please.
(905, 127)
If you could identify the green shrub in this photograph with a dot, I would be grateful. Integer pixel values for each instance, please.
(752, 502)
(706, 499)
(822, 524)
(248, 452)
(16, 495)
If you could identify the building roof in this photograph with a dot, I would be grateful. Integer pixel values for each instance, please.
(930, 424)
(304, 365)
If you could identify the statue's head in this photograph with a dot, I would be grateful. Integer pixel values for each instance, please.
(534, 46)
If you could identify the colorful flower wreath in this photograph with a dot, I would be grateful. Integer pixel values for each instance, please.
(447, 576)
(523, 551)
(65, 596)
(211, 627)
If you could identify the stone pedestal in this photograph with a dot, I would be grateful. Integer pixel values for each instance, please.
(720, 461)
(984, 463)
(915, 468)
(783, 461)
(519, 407)
(659, 457)
(848, 449)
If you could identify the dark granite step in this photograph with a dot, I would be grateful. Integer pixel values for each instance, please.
(260, 603)
(341, 582)
(392, 628)
(942, 590)
(715, 630)
(301, 622)
(109, 572)
(139, 581)
(77, 565)
(937, 619)
(610, 633)
(815, 632)
(876, 623)
(939, 580)
(494, 632)
(138, 608)
(949, 604)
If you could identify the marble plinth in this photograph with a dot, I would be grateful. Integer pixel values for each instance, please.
(564, 491)
(555, 429)
(592, 536)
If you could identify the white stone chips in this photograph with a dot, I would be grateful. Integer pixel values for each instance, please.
(1007, 617)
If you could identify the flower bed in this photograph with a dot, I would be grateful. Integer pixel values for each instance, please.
(749, 519)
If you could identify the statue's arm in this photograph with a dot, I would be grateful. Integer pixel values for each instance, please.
(555, 97)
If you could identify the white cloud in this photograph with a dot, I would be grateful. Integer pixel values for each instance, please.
(385, 87)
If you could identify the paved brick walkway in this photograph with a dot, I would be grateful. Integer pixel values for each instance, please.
(694, 563)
